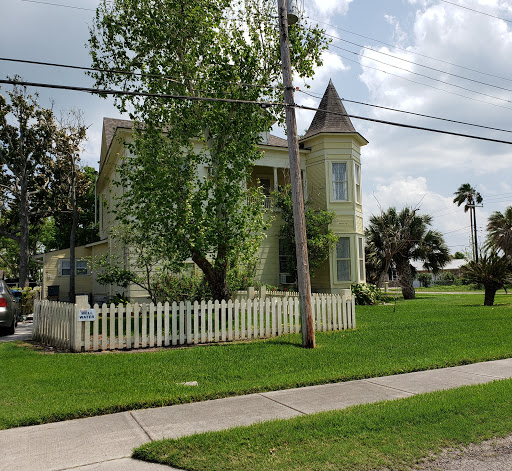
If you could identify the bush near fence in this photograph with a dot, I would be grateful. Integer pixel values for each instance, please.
(185, 323)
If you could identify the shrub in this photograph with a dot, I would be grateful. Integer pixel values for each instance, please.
(365, 293)
(27, 297)
(183, 288)
(425, 279)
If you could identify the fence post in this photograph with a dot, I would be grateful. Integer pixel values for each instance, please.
(82, 302)
(250, 292)
(263, 292)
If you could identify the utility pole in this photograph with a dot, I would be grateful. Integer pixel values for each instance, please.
(303, 279)
(472, 207)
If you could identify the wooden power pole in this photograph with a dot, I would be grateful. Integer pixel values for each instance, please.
(303, 279)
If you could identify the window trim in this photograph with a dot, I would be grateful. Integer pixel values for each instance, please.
(61, 268)
(332, 198)
(357, 183)
(362, 268)
(336, 259)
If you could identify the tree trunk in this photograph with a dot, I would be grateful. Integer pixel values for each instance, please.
(72, 237)
(490, 292)
(219, 285)
(406, 279)
(215, 276)
(384, 272)
(24, 237)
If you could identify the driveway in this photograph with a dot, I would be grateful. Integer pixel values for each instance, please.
(22, 332)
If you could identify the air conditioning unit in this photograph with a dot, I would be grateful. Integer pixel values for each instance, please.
(286, 279)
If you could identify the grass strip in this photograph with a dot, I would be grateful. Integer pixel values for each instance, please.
(433, 331)
(388, 435)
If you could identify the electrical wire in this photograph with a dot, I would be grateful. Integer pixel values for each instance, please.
(420, 83)
(136, 74)
(410, 112)
(230, 100)
(174, 79)
(409, 51)
(58, 5)
(423, 75)
(98, 91)
(414, 63)
(476, 11)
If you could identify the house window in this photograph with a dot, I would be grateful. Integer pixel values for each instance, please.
(339, 181)
(358, 183)
(81, 267)
(64, 268)
(343, 259)
(361, 259)
(284, 257)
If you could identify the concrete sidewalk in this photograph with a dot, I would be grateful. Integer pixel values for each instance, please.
(105, 443)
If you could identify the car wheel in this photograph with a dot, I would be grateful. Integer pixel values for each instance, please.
(10, 330)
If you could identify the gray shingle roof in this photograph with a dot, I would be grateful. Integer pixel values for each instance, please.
(110, 125)
(329, 122)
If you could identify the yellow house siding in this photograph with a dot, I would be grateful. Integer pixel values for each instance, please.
(359, 225)
(267, 269)
(317, 184)
(83, 283)
(320, 279)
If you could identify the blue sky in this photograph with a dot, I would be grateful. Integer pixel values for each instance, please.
(400, 166)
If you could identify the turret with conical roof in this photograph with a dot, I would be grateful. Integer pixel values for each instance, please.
(333, 174)
(331, 116)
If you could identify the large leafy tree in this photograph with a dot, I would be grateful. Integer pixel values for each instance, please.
(499, 227)
(400, 237)
(492, 271)
(27, 134)
(60, 222)
(221, 49)
(467, 195)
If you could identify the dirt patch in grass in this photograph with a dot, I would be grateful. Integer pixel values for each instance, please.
(491, 455)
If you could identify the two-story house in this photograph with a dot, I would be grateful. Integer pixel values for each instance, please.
(331, 169)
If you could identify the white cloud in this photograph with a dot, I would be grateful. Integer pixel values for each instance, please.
(326, 7)
(450, 220)
(455, 36)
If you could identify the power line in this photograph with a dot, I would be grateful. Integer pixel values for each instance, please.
(420, 83)
(414, 63)
(423, 75)
(127, 72)
(175, 79)
(476, 11)
(413, 52)
(58, 5)
(411, 113)
(403, 125)
(97, 91)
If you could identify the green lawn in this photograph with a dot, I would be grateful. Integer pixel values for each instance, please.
(388, 435)
(451, 288)
(431, 332)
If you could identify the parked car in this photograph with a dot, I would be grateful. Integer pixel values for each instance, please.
(9, 309)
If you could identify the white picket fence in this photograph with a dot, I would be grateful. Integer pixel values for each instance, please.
(185, 323)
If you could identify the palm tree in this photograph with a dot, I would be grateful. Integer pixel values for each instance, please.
(499, 227)
(399, 238)
(492, 271)
(468, 196)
